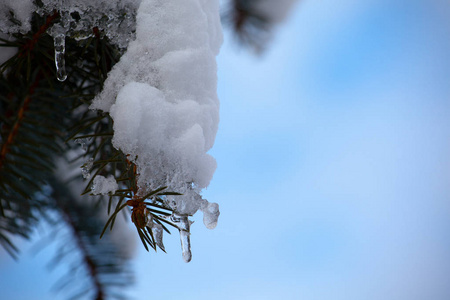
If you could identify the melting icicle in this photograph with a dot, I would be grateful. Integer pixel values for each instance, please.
(184, 225)
(58, 32)
(60, 47)
(210, 214)
(186, 245)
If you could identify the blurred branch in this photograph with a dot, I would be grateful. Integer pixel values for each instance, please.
(249, 25)
(105, 264)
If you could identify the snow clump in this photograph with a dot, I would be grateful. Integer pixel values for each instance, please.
(163, 100)
(104, 186)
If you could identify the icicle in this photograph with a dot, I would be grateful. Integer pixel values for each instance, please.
(184, 225)
(58, 32)
(60, 47)
(186, 245)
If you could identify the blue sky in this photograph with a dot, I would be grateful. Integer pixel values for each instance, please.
(333, 166)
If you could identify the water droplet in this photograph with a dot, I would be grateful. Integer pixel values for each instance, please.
(211, 215)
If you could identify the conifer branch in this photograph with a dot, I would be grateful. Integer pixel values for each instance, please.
(18, 121)
(98, 259)
(87, 260)
(250, 27)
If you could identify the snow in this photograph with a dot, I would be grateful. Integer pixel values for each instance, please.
(104, 186)
(22, 13)
(163, 100)
(167, 138)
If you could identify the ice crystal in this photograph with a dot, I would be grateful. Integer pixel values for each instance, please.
(86, 168)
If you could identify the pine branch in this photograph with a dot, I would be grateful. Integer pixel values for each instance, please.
(18, 122)
(104, 263)
(109, 160)
(36, 112)
(87, 259)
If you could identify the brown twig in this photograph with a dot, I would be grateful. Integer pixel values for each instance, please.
(15, 129)
(28, 46)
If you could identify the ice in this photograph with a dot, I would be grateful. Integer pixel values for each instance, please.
(86, 168)
(185, 237)
(113, 18)
(157, 231)
(104, 186)
(82, 143)
(210, 214)
(184, 226)
(58, 32)
(59, 41)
